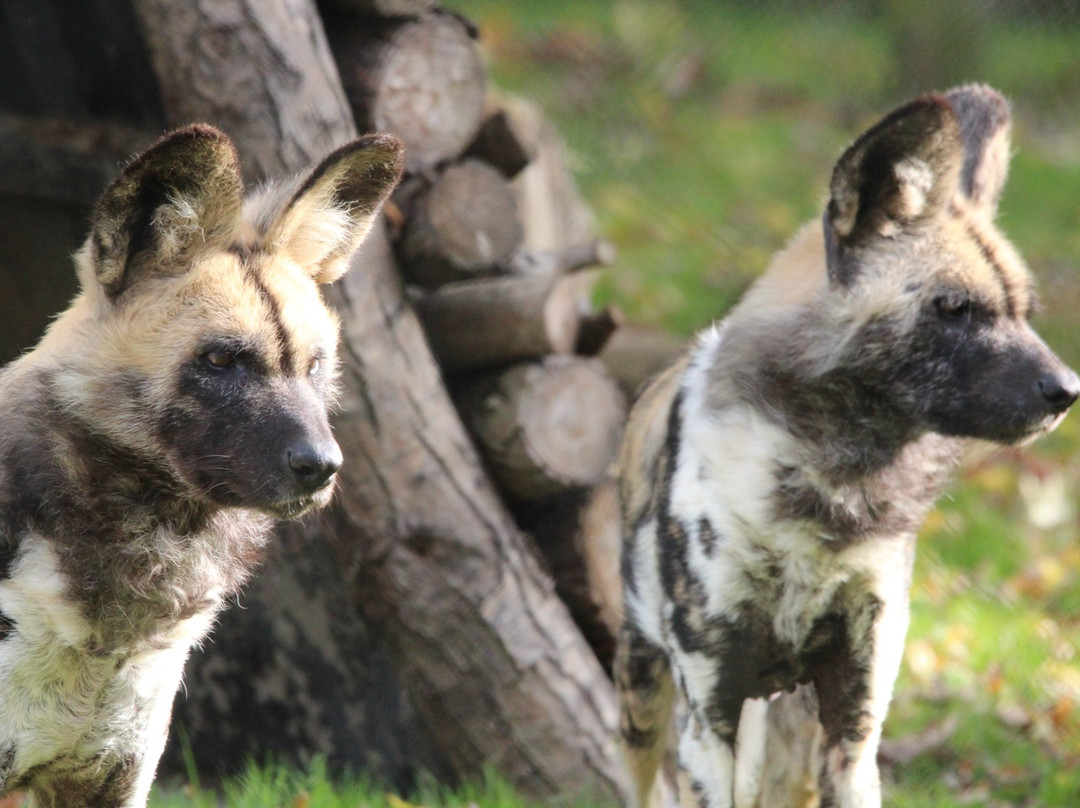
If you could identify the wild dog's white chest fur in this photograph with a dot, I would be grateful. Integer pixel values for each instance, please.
(66, 704)
(722, 491)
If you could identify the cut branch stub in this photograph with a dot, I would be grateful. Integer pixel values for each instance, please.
(570, 258)
(634, 354)
(502, 143)
(421, 78)
(545, 427)
(464, 225)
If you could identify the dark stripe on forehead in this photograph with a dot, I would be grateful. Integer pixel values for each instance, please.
(1005, 278)
(288, 360)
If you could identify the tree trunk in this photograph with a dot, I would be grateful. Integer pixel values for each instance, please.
(421, 79)
(260, 71)
(408, 626)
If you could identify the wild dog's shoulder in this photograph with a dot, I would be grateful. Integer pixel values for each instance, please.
(25, 459)
(793, 278)
(643, 441)
(657, 422)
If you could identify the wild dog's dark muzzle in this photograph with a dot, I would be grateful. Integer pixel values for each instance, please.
(997, 382)
(1059, 389)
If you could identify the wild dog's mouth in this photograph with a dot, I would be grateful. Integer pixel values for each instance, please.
(1040, 428)
(296, 507)
(293, 509)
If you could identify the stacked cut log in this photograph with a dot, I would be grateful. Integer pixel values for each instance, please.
(500, 258)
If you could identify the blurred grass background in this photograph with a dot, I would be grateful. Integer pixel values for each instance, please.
(703, 133)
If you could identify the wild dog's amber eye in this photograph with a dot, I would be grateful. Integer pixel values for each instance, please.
(220, 359)
(953, 306)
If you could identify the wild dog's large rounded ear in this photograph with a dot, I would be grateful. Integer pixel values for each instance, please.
(333, 210)
(182, 195)
(985, 127)
(900, 173)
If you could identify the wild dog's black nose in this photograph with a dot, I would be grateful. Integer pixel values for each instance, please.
(313, 466)
(1060, 389)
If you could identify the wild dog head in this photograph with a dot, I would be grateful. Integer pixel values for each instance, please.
(200, 343)
(924, 309)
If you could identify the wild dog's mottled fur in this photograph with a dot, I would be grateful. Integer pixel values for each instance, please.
(145, 445)
(772, 483)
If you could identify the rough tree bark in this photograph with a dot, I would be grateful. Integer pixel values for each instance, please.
(409, 625)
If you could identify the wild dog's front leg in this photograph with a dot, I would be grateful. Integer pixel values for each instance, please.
(708, 722)
(854, 689)
(111, 786)
(646, 695)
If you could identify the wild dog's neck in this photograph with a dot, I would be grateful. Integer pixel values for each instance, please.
(856, 464)
(114, 482)
(139, 556)
(850, 430)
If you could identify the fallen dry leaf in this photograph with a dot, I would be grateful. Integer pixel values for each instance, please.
(902, 751)
(395, 801)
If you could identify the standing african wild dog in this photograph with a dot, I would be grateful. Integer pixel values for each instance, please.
(773, 482)
(146, 444)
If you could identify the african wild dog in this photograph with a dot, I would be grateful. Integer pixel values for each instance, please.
(175, 409)
(773, 482)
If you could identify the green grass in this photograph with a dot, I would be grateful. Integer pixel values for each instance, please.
(703, 134)
(271, 785)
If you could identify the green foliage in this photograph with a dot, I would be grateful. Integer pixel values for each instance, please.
(275, 786)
